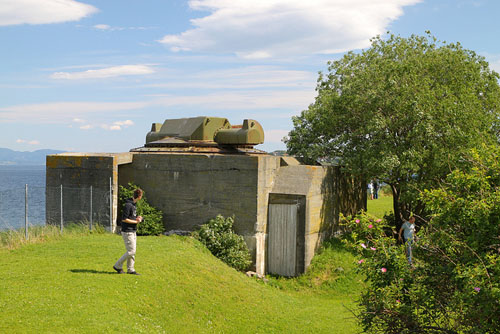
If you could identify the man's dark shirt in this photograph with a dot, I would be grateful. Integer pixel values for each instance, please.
(129, 212)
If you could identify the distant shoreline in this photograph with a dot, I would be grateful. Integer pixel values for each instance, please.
(21, 167)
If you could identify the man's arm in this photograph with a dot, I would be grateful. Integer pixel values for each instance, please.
(132, 221)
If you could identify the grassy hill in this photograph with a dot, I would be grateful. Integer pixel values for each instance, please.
(68, 285)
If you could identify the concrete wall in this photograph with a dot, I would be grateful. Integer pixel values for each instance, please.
(268, 169)
(190, 189)
(76, 172)
(310, 182)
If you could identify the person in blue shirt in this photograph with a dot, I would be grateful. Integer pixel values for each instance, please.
(408, 231)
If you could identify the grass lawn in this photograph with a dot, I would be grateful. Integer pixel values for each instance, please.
(379, 207)
(67, 285)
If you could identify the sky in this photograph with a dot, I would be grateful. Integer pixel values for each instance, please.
(92, 76)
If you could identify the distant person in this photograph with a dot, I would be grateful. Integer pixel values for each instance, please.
(129, 233)
(408, 231)
(370, 189)
(375, 189)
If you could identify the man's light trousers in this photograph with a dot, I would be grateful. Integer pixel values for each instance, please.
(130, 239)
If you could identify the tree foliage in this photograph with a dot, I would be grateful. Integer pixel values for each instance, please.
(455, 284)
(402, 111)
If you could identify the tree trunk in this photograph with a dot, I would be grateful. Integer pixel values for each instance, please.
(396, 194)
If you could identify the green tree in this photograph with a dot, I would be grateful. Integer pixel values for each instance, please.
(455, 284)
(402, 111)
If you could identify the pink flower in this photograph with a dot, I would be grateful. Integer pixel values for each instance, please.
(398, 301)
(361, 261)
(363, 245)
(373, 248)
(370, 226)
(477, 289)
(357, 221)
(378, 220)
(383, 269)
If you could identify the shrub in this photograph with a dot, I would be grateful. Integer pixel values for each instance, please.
(219, 237)
(153, 222)
(454, 286)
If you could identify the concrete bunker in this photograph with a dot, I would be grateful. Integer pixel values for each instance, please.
(195, 168)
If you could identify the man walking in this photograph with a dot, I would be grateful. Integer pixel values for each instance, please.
(129, 233)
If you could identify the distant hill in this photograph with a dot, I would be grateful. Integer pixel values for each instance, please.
(10, 157)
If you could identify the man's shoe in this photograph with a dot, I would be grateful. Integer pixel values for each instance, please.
(133, 273)
(119, 270)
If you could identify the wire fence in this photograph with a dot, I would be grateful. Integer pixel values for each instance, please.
(27, 206)
(13, 208)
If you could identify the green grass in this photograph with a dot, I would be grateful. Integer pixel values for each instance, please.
(67, 285)
(332, 272)
(12, 239)
(379, 207)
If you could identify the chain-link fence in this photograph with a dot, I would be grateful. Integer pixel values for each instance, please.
(61, 206)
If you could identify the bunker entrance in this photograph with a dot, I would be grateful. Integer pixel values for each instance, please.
(286, 234)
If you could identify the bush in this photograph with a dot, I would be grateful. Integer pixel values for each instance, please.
(153, 222)
(454, 286)
(219, 237)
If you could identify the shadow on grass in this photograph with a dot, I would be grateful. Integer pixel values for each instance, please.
(91, 271)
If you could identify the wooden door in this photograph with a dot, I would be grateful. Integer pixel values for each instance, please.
(282, 239)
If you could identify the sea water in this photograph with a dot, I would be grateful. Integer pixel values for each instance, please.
(13, 181)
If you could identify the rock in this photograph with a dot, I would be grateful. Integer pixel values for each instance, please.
(251, 273)
(177, 232)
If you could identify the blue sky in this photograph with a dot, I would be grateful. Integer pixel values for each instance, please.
(91, 76)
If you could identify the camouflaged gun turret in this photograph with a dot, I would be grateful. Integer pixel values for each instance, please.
(204, 133)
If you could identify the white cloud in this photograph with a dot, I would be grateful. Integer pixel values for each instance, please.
(116, 126)
(78, 120)
(104, 73)
(14, 12)
(265, 100)
(29, 142)
(294, 100)
(275, 136)
(64, 112)
(106, 27)
(102, 27)
(269, 28)
(124, 123)
(241, 78)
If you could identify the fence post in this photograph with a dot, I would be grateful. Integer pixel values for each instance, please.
(62, 209)
(91, 208)
(26, 211)
(110, 206)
